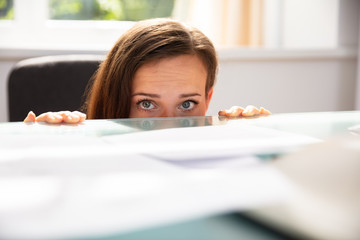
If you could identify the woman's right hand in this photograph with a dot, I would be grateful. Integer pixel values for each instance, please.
(56, 117)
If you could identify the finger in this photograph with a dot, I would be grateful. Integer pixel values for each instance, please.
(65, 115)
(221, 113)
(264, 111)
(42, 117)
(81, 115)
(30, 117)
(49, 117)
(70, 117)
(53, 118)
(250, 111)
(234, 111)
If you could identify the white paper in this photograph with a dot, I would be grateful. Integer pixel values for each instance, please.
(209, 142)
(105, 204)
(86, 186)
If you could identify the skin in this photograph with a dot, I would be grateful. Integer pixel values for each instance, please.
(249, 111)
(170, 87)
(56, 117)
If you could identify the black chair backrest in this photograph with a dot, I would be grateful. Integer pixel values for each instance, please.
(52, 83)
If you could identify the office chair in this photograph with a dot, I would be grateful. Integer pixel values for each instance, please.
(52, 83)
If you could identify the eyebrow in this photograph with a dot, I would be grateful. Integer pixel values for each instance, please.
(184, 95)
(189, 95)
(146, 94)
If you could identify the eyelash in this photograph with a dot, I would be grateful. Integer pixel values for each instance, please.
(189, 100)
(144, 100)
(148, 100)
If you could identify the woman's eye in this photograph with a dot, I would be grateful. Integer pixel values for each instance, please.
(187, 105)
(146, 105)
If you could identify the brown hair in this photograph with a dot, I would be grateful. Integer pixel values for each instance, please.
(109, 95)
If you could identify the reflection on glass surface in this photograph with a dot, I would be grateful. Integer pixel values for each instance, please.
(319, 125)
(145, 124)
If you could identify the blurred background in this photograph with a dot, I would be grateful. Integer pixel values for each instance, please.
(285, 55)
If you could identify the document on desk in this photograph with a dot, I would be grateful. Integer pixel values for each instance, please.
(210, 142)
(76, 187)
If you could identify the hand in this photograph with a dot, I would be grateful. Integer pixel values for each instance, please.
(249, 111)
(56, 117)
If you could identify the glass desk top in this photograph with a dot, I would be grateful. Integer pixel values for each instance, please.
(318, 124)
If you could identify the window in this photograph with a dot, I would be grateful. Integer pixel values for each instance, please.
(80, 24)
(121, 10)
(6, 9)
(75, 24)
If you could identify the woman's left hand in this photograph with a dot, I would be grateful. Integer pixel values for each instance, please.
(249, 111)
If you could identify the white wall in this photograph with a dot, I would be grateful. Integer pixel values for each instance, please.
(282, 81)
(310, 23)
(358, 80)
(5, 66)
(358, 68)
(294, 81)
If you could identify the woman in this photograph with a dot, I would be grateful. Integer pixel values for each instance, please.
(158, 68)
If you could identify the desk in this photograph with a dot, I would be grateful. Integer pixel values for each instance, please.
(213, 221)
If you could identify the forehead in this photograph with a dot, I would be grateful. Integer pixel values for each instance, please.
(179, 71)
